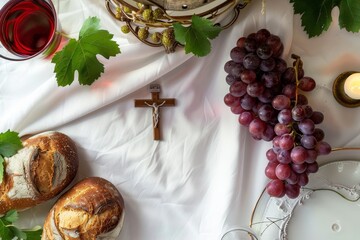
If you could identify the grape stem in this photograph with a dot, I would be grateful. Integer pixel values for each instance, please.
(344, 148)
(296, 67)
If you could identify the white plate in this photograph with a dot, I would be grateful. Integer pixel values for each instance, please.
(327, 208)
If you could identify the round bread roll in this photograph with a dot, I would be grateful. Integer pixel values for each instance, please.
(39, 171)
(92, 209)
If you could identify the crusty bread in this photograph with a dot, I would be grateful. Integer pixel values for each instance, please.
(44, 167)
(92, 209)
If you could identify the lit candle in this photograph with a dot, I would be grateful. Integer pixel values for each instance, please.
(352, 86)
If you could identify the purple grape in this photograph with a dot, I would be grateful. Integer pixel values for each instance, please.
(264, 51)
(230, 100)
(247, 102)
(318, 134)
(241, 42)
(229, 65)
(293, 178)
(237, 54)
(299, 154)
(283, 171)
(312, 168)
(308, 111)
(276, 143)
(292, 190)
(323, 148)
(281, 102)
(251, 61)
(230, 79)
(302, 99)
(271, 155)
(250, 44)
(308, 141)
(245, 118)
(289, 90)
(276, 45)
(307, 84)
(255, 89)
(275, 188)
(268, 134)
(237, 109)
(299, 168)
(266, 112)
(266, 96)
(248, 76)
(238, 89)
(284, 156)
(270, 170)
(289, 75)
(257, 127)
(303, 179)
(262, 35)
(281, 129)
(312, 156)
(306, 126)
(270, 79)
(284, 116)
(281, 65)
(298, 113)
(317, 117)
(256, 108)
(286, 142)
(267, 65)
(237, 70)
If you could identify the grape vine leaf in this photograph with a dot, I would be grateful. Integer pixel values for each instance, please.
(10, 231)
(80, 55)
(196, 36)
(316, 15)
(10, 143)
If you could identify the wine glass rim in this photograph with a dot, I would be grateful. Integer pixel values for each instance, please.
(22, 57)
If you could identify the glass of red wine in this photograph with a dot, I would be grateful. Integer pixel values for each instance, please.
(28, 29)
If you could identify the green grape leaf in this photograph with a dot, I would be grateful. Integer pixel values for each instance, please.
(11, 216)
(316, 15)
(10, 231)
(33, 234)
(349, 17)
(196, 36)
(5, 232)
(17, 232)
(10, 143)
(80, 55)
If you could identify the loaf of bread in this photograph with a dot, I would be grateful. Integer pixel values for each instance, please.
(43, 168)
(92, 209)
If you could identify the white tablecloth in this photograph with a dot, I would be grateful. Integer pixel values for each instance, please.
(204, 177)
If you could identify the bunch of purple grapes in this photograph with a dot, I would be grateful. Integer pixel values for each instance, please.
(268, 97)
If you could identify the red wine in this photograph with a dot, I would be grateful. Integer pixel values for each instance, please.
(26, 26)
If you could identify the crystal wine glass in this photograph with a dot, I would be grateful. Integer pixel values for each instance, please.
(28, 28)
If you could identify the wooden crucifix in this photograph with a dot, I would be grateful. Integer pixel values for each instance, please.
(155, 103)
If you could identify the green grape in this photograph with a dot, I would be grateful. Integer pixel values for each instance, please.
(168, 37)
(126, 9)
(140, 5)
(156, 37)
(118, 15)
(147, 14)
(143, 33)
(125, 29)
(158, 13)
